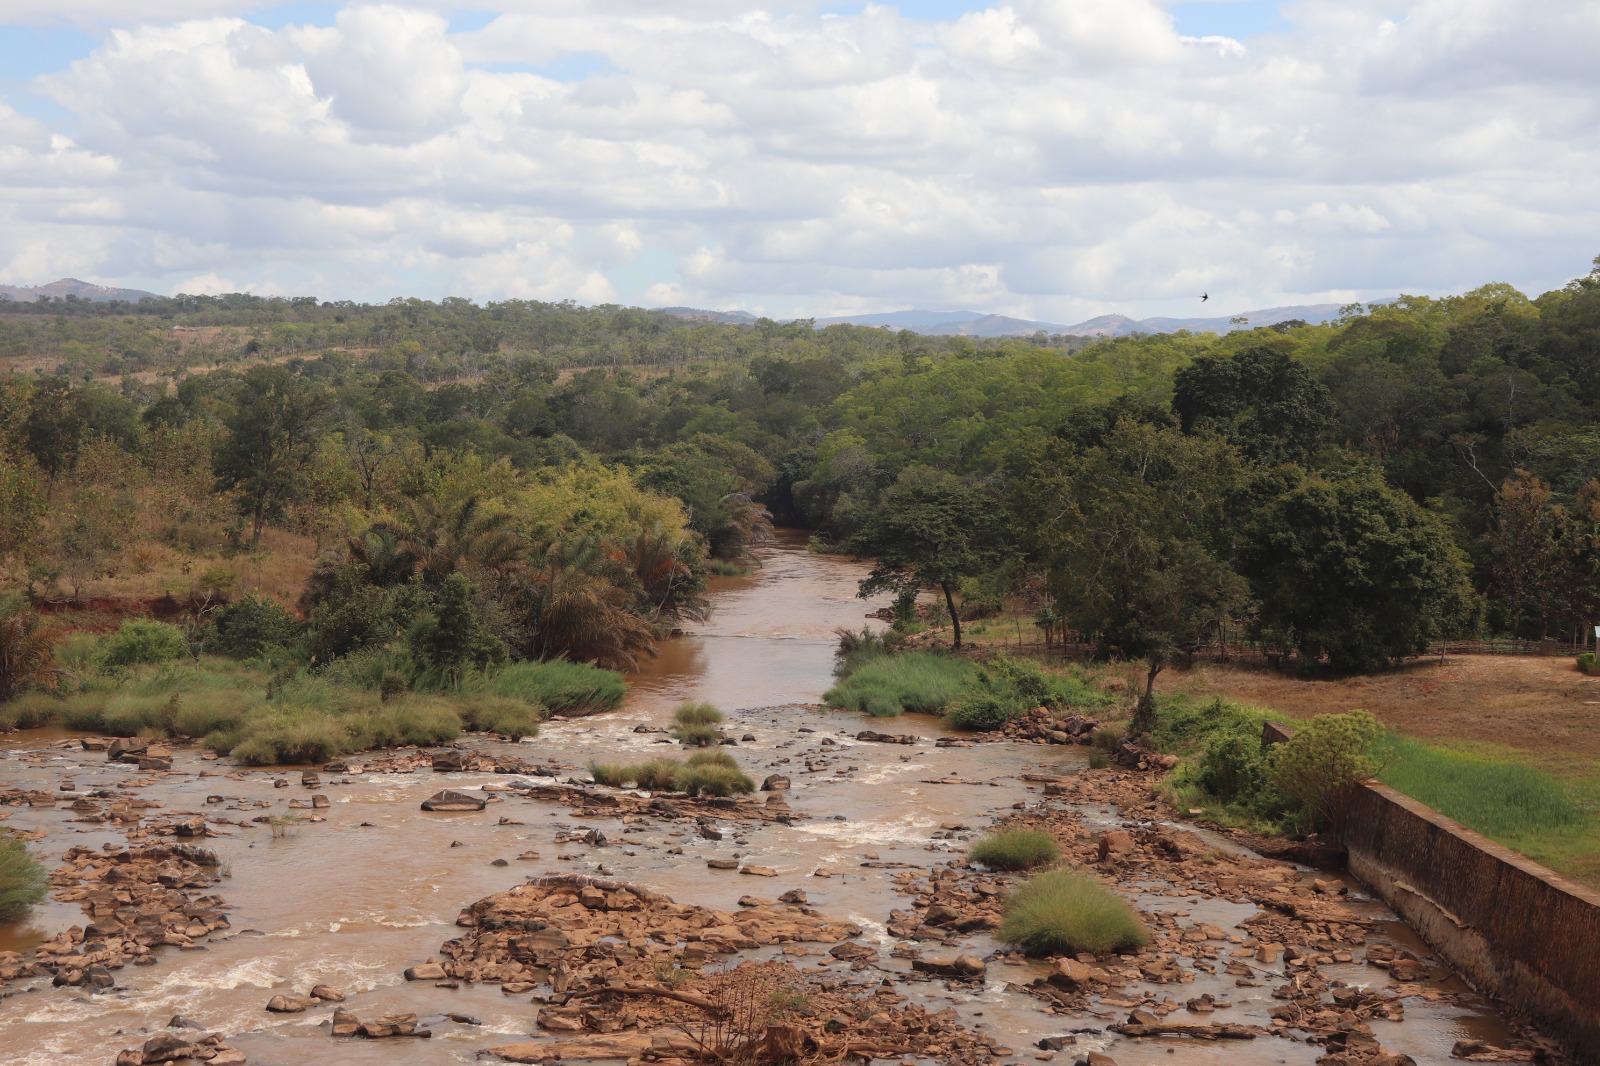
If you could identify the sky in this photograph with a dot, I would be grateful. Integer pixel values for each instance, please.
(1049, 159)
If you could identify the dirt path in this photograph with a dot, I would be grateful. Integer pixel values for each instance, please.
(1540, 708)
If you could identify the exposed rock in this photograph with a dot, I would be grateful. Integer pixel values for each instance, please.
(451, 800)
(427, 971)
(775, 783)
(966, 967)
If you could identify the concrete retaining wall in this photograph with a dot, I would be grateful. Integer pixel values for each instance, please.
(1513, 928)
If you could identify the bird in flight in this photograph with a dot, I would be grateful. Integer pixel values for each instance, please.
(1204, 297)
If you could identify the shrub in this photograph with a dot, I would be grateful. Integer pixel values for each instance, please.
(1067, 911)
(1233, 768)
(1109, 737)
(918, 681)
(981, 711)
(1588, 663)
(27, 649)
(245, 629)
(713, 780)
(22, 880)
(143, 641)
(562, 687)
(1320, 765)
(1015, 849)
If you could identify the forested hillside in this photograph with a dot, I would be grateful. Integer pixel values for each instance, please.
(544, 480)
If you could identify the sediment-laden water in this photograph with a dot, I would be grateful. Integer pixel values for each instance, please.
(352, 900)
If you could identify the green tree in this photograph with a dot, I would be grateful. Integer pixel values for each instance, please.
(273, 430)
(450, 637)
(1259, 398)
(1355, 572)
(930, 529)
(1134, 533)
(1324, 762)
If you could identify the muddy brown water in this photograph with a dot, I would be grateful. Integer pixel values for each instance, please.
(353, 900)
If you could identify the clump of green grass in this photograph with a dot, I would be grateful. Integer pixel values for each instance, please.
(888, 685)
(981, 712)
(414, 720)
(1497, 798)
(1015, 849)
(658, 775)
(23, 881)
(498, 714)
(291, 735)
(562, 687)
(695, 724)
(1067, 911)
(713, 779)
(616, 775)
(712, 758)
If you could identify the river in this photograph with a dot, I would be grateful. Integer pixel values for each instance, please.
(376, 887)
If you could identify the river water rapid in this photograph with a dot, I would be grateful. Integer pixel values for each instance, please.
(353, 900)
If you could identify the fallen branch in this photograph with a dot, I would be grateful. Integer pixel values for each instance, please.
(654, 990)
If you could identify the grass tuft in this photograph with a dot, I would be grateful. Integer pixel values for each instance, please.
(1067, 911)
(562, 687)
(23, 881)
(1015, 849)
(885, 686)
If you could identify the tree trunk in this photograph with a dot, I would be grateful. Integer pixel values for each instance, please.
(260, 520)
(955, 617)
(1144, 715)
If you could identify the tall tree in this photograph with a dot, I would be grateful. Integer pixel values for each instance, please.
(1134, 532)
(273, 430)
(930, 529)
(1355, 573)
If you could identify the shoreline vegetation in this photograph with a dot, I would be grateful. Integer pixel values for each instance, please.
(292, 528)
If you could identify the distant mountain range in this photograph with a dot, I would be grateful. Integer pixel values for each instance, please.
(71, 287)
(977, 324)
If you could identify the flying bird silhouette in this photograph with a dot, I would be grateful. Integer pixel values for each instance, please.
(1204, 297)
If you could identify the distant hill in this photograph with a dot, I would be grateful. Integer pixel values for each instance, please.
(975, 324)
(72, 287)
(727, 318)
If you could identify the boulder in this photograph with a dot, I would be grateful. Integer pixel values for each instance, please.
(1115, 844)
(427, 971)
(164, 1047)
(122, 746)
(288, 1004)
(451, 800)
(758, 871)
(775, 783)
(967, 967)
(326, 994)
(310, 779)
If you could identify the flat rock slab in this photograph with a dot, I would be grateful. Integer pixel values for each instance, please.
(451, 800)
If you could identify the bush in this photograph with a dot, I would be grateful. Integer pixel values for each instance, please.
(246, 629)
(712, 758)
(22, 880)
(1233, 769)
(143, 641)
(1015, 849)
(918, 681)
(27, 649)
(980, 712)
(562, 687)
(411, 722)
(1320, 765)
(1588, 663)
(714, 780)
(1067, 911)
(1109, 737)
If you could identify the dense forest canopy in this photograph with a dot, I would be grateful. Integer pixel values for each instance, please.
(559, 480)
